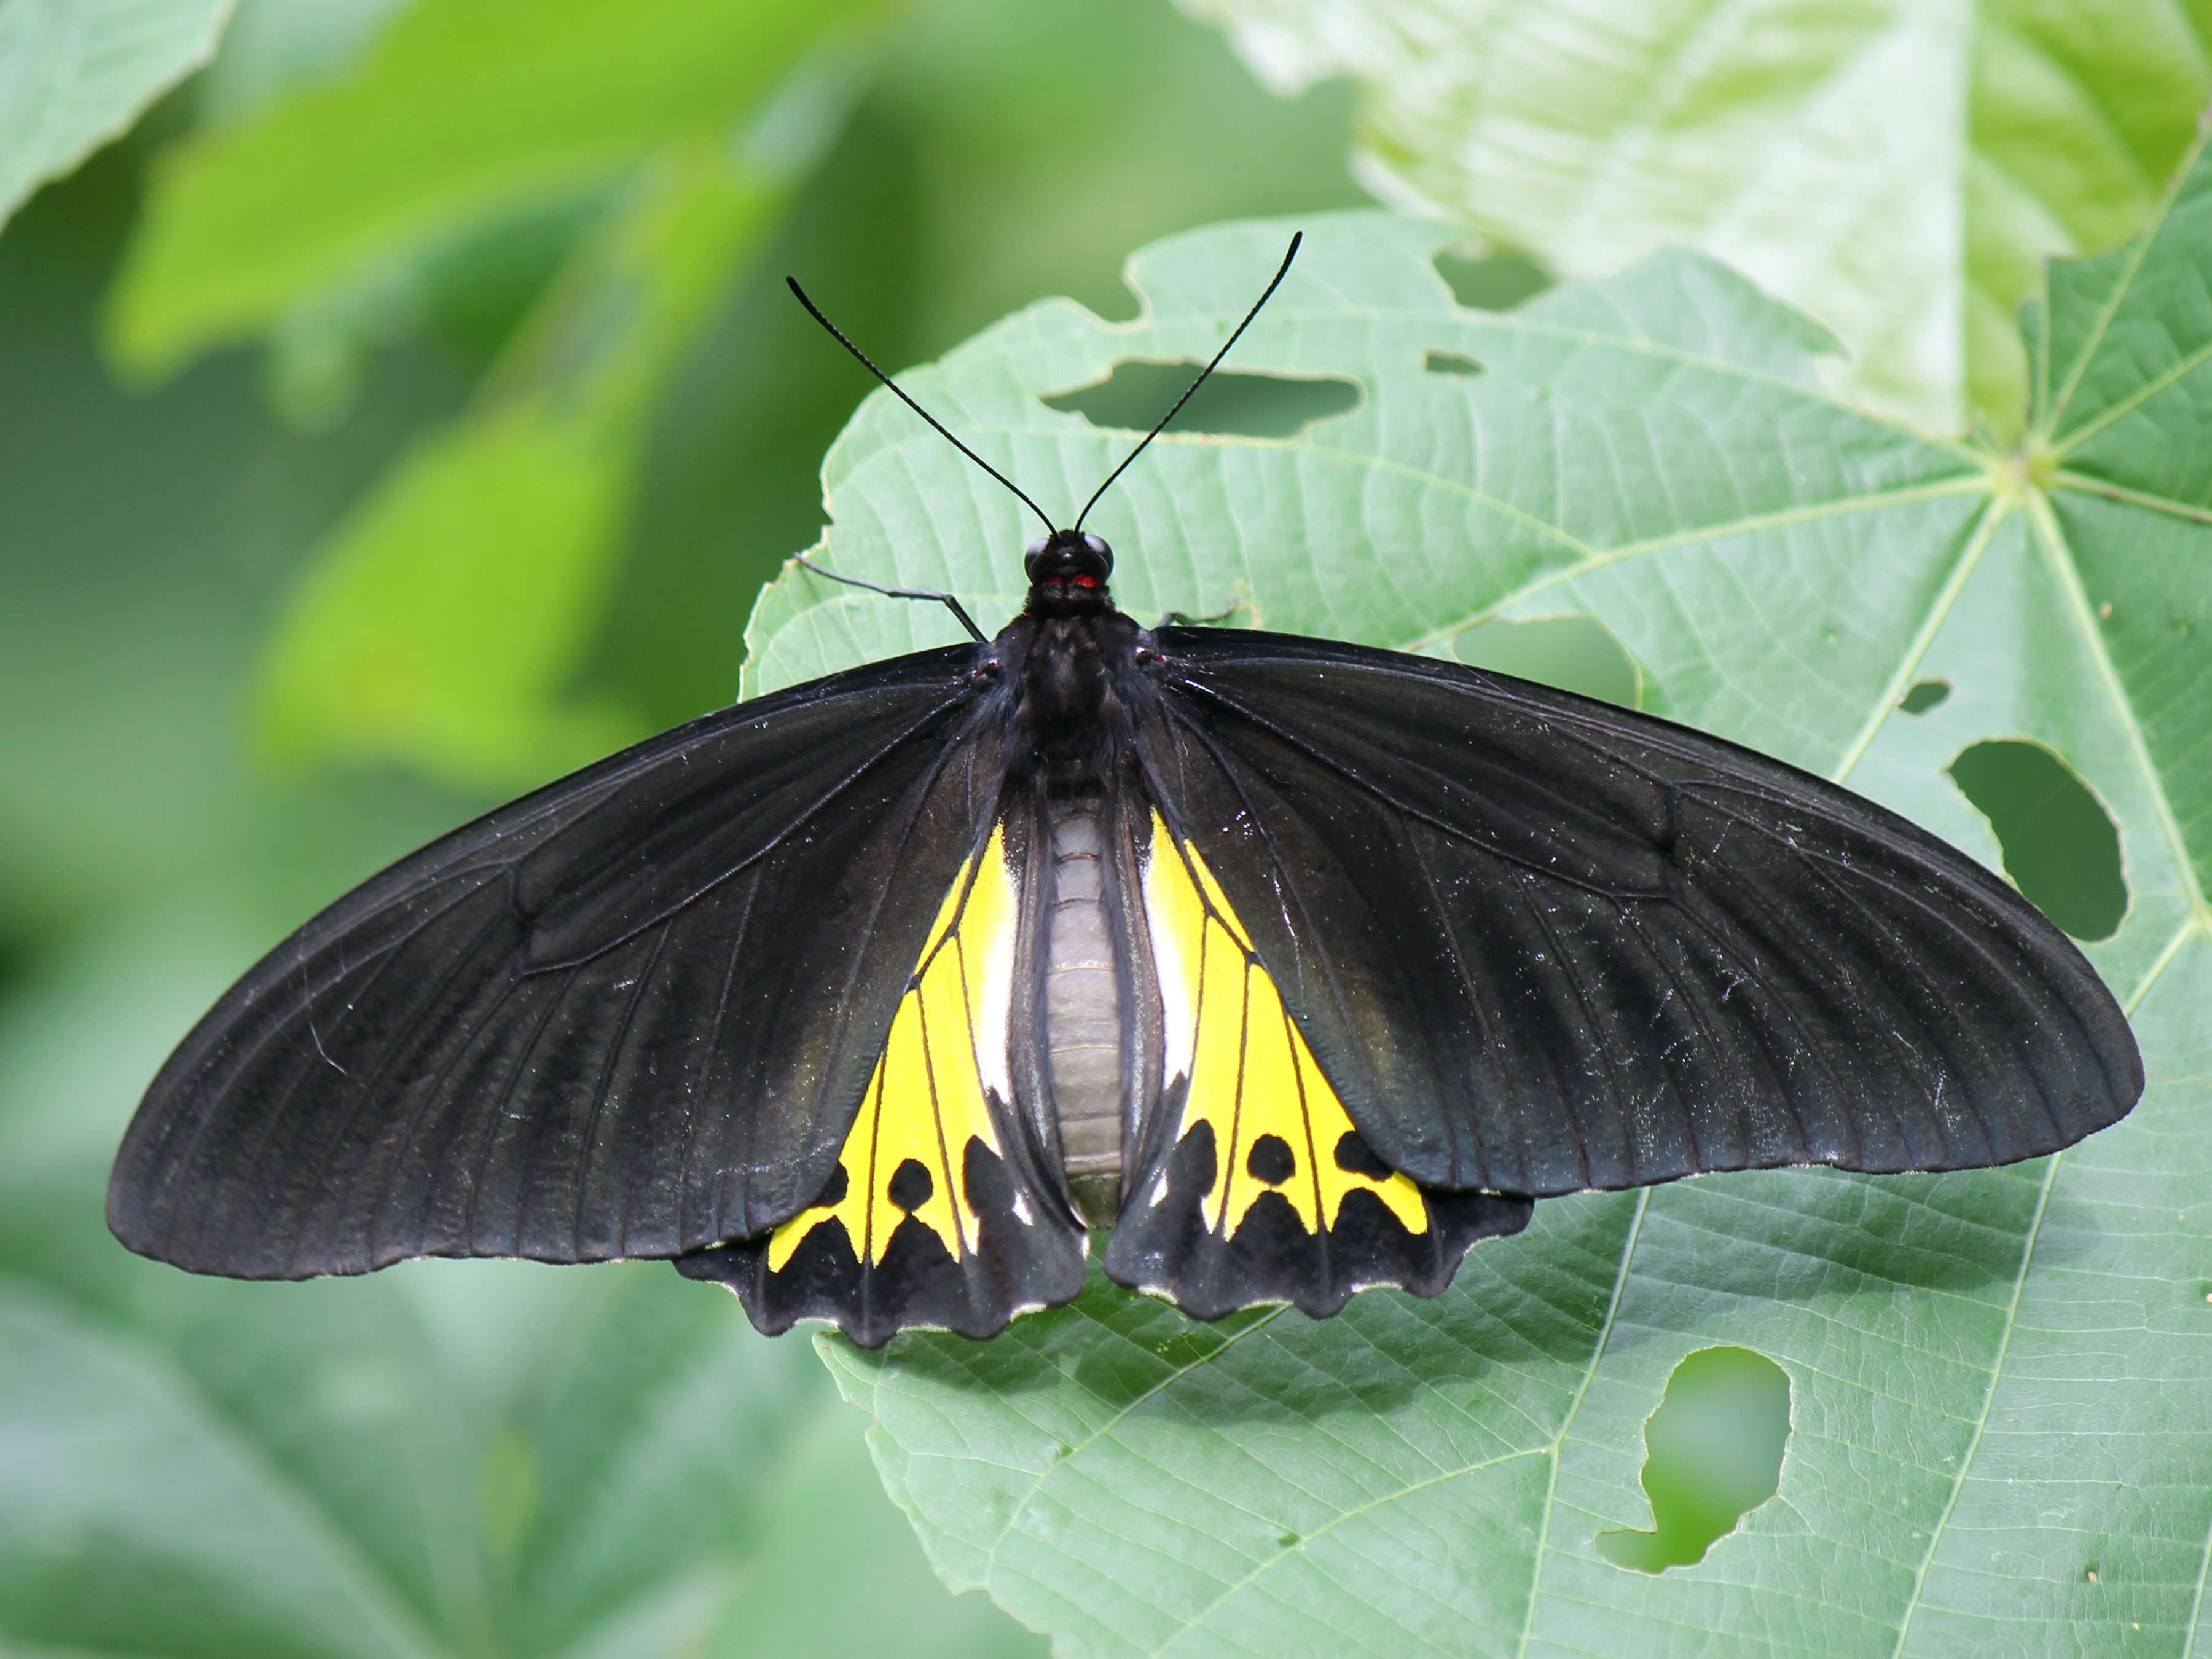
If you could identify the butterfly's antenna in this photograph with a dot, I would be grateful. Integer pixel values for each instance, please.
(838, 334)
(1265, 295)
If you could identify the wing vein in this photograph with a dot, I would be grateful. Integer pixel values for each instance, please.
(589, 1146)
(365, 1088)
(1812, 862)
(805, 815)
(1283, 883)
(921, 792)
(1444, 826)
(1569, 1118)
(707, 1055)
(178, 1166)
(1474, 993)
(480, 1163)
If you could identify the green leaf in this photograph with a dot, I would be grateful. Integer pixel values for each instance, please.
(1898, 172)
(273, 46)
(394, 646)
(465, 111)
(441, 623)
(2001, 1381)
(76, 73)
(443, 1460)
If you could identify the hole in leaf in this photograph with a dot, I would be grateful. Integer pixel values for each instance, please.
(1451, 362)
(1924, 696)
(1229, 404)
(2061, 848)
(1496, 282)
(1714, 1454)
(1576, 654)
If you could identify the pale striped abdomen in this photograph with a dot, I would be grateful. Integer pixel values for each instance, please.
(1083, 1012)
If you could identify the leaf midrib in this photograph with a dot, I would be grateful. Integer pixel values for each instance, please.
(1021, 1506)
(2082, 483)
(2068, 569)
(1606, 1325)
(1989, 1399)
(1396, 1494)
(2138, 252)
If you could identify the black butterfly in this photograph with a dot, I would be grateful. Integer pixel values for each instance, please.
(1299, 964)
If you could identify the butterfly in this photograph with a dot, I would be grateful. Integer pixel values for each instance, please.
(1287, 967)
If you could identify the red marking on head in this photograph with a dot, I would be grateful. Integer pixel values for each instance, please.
(1084, 582)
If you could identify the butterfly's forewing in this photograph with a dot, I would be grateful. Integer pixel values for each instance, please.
(1540, 944)
(630, 1015)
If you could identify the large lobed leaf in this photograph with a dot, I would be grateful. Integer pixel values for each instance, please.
(2001, 1381)
(1898, 170)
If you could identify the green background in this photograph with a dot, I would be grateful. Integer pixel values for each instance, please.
(408, 407)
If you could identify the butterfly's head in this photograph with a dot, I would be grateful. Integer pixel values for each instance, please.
(1067, 572)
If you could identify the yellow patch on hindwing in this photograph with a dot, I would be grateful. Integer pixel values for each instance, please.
(1277, 1123)
(926, 1099)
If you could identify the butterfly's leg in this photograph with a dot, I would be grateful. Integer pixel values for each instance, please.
(1179, 619)
(944, 599)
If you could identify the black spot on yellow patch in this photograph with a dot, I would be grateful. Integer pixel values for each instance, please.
(1354, 1155)
(1271, 1160)
(835, 1191)
(910, 1186)
(1171, 1245)
(1017, 1263)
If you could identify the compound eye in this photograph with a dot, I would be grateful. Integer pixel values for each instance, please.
(1036, 548)
(1095, 543)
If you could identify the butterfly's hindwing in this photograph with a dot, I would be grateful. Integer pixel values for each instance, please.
(1253, 1184)
(934, 1215)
